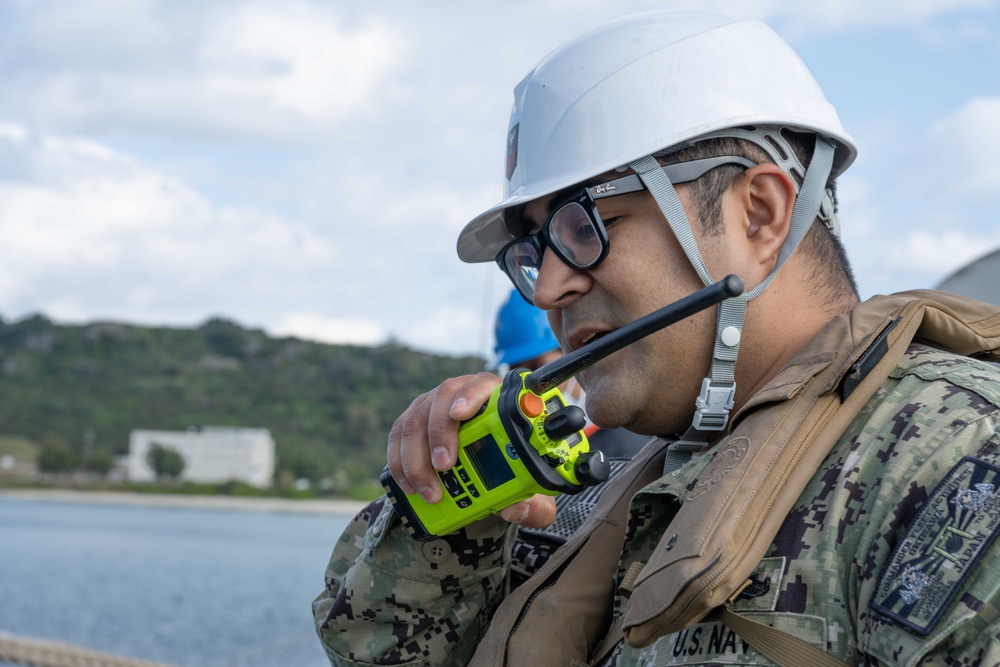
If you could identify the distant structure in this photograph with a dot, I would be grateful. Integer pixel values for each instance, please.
(979, 279)
(12, 466)
(211, 454)
(18, 457)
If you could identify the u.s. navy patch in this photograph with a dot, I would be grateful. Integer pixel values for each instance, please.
(942, 545)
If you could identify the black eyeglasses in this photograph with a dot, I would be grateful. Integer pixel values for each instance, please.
(574, 229)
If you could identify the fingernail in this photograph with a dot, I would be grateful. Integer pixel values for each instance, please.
(427, 493)
(440, 458)
(459, 404)
(406, 487)
(515, 513)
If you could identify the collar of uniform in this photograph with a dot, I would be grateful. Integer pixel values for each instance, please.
(826, 354)
(790, 379)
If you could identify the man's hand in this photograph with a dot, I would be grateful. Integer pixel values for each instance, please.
(424, 439)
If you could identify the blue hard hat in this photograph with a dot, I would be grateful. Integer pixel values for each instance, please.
(522, 332)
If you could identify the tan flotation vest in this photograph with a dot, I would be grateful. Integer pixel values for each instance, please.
(725, 526)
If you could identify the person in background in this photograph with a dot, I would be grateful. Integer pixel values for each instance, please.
(525, 340)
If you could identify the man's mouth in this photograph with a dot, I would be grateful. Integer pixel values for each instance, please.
(586, 338)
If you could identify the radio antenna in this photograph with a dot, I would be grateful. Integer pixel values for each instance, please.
(556, 372)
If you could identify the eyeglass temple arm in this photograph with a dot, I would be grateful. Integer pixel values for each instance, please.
(681, 172)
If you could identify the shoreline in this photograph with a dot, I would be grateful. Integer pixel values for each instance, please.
(234, 503)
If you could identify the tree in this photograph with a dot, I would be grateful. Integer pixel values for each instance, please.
(56, 456)
(165, 461)
(98, 461)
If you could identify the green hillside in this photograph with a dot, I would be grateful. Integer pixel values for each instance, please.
(79, 390)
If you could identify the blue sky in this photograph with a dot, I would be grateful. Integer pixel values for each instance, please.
(304, 166)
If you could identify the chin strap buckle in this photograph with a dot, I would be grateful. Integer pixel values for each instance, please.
(713, 405)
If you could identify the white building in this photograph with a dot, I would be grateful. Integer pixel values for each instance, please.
(211, 454)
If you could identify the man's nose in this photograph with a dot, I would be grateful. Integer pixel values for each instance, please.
(558, 284)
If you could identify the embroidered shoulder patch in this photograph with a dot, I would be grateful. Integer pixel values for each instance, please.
(942, 545)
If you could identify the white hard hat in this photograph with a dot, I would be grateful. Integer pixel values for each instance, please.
(641, 84)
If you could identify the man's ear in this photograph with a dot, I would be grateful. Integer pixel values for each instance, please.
(767, 196)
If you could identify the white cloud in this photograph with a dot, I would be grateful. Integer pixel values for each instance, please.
(306, 70)
(330, 330)
(443, 320)
(913, 214)
(85, 229)
(290, 70)
(90, 233)
(963, 149)
(932, 255)
(302, 58)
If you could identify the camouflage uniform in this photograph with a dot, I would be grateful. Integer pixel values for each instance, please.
(887, 557)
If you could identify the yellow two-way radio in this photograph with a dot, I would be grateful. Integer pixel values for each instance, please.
(526, 439)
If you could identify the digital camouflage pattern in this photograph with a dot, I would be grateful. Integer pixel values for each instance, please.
(406, 601)
(530, 550)
(867, 565)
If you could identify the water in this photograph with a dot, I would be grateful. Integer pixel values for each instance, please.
(200, 588)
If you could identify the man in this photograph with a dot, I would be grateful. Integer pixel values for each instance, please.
(824, 490)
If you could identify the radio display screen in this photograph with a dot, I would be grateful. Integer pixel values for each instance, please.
(489, 462)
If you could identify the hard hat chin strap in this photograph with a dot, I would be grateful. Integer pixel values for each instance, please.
(718, 391)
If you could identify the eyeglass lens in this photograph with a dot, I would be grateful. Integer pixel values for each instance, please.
(523, 262)
(572, 234)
